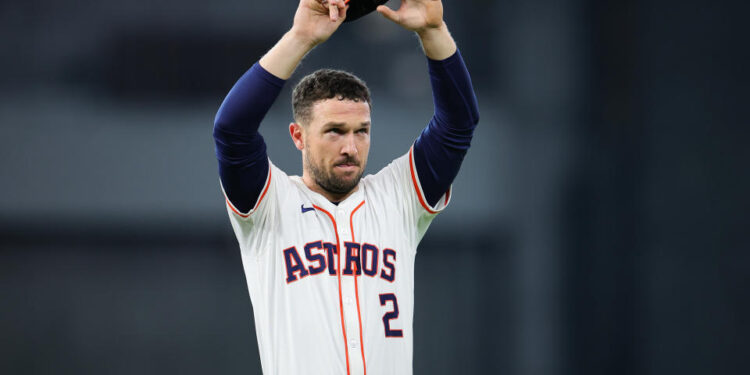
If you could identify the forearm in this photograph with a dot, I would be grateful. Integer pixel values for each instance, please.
(247, 102)
(437, 43)
(452, 92)
(285, 56)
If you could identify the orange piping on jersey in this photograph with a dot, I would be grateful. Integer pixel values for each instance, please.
(338, 275)
(416, 184)
(351, 218)
(268, 183)
(356, 289)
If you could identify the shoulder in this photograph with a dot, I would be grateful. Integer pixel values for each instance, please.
(395, 170)
(400, 180)
(390, 183)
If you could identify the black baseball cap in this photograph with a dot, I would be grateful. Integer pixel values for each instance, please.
(359, 8)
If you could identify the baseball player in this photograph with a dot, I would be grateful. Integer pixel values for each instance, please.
(329, 255)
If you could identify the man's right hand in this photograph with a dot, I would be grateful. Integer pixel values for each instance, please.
(314, 22)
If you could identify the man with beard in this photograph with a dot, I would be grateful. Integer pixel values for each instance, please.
(329, 256)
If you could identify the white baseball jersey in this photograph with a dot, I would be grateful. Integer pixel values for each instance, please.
(332, 286)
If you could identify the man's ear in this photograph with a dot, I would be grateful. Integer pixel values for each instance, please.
(295, 130)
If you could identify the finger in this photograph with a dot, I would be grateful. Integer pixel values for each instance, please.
(342, 14)
(343, 6)
(333, 10)
(387, 13)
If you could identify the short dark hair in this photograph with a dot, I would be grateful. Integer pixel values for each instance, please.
(325, 84)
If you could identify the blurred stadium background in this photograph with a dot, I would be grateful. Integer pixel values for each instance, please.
(598, 225)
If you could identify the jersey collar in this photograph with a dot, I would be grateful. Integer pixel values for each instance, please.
(347, 204)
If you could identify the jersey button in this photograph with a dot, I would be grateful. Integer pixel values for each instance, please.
(349, 300)
(353, 344)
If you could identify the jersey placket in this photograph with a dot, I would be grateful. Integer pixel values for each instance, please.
(349, 296)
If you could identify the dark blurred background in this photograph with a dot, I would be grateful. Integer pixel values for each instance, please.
(599, 224)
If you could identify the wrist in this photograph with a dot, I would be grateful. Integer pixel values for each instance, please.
(431, 33)
(437, 43)
(301, 39)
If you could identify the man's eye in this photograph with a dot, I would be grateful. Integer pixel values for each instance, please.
(335, 131)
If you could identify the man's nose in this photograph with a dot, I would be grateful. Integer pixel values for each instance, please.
(350, 146)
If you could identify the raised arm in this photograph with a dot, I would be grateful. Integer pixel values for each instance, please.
(440, 149)
(240, 149)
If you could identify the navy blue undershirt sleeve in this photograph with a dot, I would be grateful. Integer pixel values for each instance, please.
(442, 145)
(240, 149)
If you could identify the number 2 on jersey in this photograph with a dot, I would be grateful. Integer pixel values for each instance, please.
(390, 315)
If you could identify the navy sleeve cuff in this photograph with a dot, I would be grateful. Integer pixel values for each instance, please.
(447, 61)
(267, 76)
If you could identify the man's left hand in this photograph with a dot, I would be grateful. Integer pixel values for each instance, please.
(416, 15)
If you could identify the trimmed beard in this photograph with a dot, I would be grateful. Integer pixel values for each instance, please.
(328, 181)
